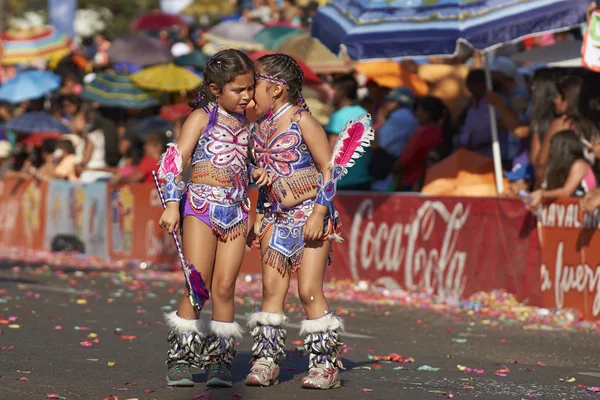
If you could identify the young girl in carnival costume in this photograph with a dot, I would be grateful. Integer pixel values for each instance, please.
(213, 212)
(296, 220)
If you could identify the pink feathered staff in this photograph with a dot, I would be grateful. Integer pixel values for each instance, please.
(195, 284)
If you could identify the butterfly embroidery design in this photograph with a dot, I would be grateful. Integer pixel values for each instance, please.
(278, 154)
(228, 148)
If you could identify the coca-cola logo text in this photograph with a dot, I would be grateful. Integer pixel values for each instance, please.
(389, 245)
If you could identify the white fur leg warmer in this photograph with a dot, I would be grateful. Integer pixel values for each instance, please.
(220, 343)
(269, 335)
(186, 339)
(322, 341)
(266, 319)
(226, 330)
(183, 325)
(328, 322)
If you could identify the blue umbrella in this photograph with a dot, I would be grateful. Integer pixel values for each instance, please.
(33, 122)
(401, 28)
(29, 85)
(114, 90)
(148, 125)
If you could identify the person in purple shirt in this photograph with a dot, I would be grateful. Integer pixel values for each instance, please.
(476, 134)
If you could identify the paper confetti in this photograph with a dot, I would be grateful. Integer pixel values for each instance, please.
(367, 390)
(111, 363)
(427, 368)
(568, 380)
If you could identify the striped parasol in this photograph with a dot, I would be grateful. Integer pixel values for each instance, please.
(315, 55)
(166, 78)
(237, 34)
(209, 7)
(23, 46)
(409, 28)
(115, 90)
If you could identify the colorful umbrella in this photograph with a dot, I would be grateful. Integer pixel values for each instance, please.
(390, 74)
(157, 21)
(139, 49)
(22, 46)
(148, 125)
(196, 59)
(271, 38)
(175, 111)
(209, 7)
(315, 55)
(126, 68)
(113, 90)
(398, 28)
(29, 85)
(37, 139)
(235, 34)
(166, 78)
(33, 122)
(309, 74)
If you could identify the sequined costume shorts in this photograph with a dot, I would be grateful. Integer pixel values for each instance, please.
(286, 246)
(223, 209)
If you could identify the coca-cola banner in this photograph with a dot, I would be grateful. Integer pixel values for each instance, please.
(570, 271)
(450, 246)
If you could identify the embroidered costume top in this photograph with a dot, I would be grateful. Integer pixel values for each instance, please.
(222, 150)
(285, 156)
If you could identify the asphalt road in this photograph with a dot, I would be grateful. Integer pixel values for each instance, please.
(48, 314)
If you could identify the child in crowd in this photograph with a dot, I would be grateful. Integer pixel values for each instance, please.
(568, 174)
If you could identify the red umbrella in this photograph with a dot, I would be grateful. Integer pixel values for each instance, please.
(38, 138)
(156, 21)
(309, 74)
(175, 111)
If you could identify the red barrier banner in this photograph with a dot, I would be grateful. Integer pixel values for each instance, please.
(22, 213)
(132, 220)
(449, 246)
(570, 271)
(133, 231)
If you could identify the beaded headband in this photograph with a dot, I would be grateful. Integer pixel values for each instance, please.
(272, 79)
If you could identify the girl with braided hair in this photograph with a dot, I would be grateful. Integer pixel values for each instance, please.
(296, 220)
(212, 210)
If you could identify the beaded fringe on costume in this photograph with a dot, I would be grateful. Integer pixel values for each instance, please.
(284, 264)
(302, 181)
(233, 232)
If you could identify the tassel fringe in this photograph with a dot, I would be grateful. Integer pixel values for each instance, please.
(283, 264)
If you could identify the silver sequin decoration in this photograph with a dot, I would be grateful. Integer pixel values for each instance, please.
(185, 346)
(218, 350)
(269, 342)
(324, 348)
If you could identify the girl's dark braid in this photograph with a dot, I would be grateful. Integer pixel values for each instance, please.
(295, 84)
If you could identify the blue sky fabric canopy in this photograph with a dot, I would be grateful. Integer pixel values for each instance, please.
(403, 28)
